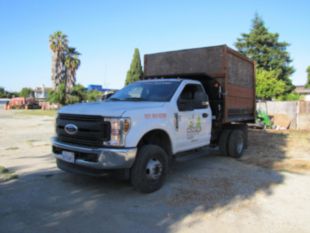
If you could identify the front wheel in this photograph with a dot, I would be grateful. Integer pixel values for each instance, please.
(150, 169)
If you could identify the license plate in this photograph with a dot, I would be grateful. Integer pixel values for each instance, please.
(67, 156)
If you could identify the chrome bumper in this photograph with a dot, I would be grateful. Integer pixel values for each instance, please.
(108, 158)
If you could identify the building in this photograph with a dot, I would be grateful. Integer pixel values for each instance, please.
(304, 92)
(95, 87)
(41, 93)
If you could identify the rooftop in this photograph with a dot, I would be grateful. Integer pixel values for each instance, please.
(302, 90)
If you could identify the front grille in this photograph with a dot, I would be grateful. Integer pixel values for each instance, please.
(92, 130)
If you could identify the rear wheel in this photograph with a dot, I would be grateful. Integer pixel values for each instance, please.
(150, 169)
(236, 143)
(223, 142)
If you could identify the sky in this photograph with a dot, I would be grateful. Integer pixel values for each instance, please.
(106, 32)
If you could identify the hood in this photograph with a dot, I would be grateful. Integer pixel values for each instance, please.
(108, 108)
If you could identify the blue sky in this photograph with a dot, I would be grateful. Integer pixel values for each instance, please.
(106, 33)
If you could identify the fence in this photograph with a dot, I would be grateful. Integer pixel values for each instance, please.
(297, 111)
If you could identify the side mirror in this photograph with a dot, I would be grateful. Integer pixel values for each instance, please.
(205, 104)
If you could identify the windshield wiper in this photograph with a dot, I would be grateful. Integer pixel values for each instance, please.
(134, 99)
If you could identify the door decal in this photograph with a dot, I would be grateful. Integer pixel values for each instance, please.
(193, 129)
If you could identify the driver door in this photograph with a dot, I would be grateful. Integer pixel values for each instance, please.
(194, 118)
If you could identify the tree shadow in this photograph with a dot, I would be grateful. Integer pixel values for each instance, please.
(50, 201)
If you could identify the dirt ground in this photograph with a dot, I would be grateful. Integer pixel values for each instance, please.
(279, 150)
(268, 190)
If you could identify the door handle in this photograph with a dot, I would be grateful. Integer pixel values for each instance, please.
(205, 115)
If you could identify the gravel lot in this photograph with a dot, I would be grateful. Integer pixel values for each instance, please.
(203, 193)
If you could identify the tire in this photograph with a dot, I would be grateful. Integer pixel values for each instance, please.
(150, 169)
(223, 142)
(244, 129)
(236, 143)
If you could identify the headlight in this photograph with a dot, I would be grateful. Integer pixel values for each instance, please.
(119, 130)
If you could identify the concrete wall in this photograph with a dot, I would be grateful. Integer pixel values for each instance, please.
(297, 111)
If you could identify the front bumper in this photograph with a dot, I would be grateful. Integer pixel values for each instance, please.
(105, 158)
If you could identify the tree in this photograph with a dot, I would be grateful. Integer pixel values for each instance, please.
(57, 95)
(290, 97)
(7, 94)
(72, 63)
(268, 84)
(78, 94)
(65, 62)
(308, 77)
(26, 92)
(94, 95)
(265, 49)
(59, 45)
(3, 93)
(13, 94)
(135, 72)
(80, 91)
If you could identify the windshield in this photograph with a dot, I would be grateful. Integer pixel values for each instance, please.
(158, 91)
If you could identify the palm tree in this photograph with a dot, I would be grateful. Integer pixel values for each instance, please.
(72, 63)
(59, 45)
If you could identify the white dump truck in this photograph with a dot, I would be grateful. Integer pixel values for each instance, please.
(188, 99)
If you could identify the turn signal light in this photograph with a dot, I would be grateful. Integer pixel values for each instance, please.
(126, 125)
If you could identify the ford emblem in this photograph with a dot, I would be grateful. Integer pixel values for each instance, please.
(71, 129)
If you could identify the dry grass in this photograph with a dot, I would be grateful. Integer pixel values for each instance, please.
(36, 112)
(279, 150)
(6, 175)
(12, 148)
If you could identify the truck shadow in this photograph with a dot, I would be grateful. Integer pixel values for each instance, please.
(68, 203)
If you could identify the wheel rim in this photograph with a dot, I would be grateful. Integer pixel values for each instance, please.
(154, 169)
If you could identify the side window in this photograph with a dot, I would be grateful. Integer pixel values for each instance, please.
(192, 97)
(136, 92)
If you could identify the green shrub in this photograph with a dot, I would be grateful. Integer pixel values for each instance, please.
(78, 94)
(289, 97)
(94, 95)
